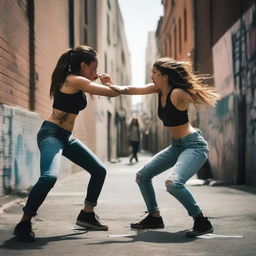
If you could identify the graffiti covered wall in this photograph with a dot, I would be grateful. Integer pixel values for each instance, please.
(243, 35)
(222, 123)
(232, 133)
(5, 148)
(19, 154)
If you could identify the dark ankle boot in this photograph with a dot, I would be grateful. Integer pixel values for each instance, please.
(201, 226)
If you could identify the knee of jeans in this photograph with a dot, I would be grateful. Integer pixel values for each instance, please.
(101, 172)
(173, 186)
(141, 178)
(48, 180)
(138, 178)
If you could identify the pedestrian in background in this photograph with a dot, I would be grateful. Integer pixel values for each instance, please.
(134, 138)
(72, 77)
(177, 86)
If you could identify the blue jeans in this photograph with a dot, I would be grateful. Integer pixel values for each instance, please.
(54, 141)
(184, 158)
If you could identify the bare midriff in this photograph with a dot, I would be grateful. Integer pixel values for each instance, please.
(63, 119)
(181, 130)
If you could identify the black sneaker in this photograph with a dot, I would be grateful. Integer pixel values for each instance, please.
(23, 232)
(201, 226)
(89, 220)
(149, 222)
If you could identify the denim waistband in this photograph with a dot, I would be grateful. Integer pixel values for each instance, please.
(57, 128)
(191, 136)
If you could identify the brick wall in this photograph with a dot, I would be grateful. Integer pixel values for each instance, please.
(51, 39)
(176, 35)
(85, 126)
(14, 54)
(19, 155)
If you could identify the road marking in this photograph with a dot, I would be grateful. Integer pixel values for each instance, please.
(123, 235)
(210, 236)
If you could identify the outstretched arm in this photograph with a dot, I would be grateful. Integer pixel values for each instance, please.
(129, 90)
(86, 85)
(140, 90)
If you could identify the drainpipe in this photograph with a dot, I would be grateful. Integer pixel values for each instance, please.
(71, 24)
(194, 56)
(32, 82)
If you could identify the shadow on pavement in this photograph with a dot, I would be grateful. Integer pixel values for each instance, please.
(152, 237)
(13, 244)
(245, 188)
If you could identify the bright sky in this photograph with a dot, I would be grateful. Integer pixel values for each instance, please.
(140, 17)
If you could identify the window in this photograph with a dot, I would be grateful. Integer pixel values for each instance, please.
(175, 43)
(109, 4)
(108, 29)
(180, 39)
(185, 24)
(85, 37)
(85, 22)
(123, 57)
(86, 12)
(106, 63)
(170, 42)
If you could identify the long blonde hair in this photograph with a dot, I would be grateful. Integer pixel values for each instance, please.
(181, 75)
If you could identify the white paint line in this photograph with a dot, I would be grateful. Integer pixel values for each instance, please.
(210, 236)
(123, 235)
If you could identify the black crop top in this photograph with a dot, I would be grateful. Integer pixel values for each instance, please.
(70, 103)
(170, 115)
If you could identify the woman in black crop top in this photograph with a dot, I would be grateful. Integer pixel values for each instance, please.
(177, 86)
(73, 75)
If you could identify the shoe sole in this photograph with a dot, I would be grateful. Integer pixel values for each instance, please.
(152, 227)
(191, 234)
(88, 225)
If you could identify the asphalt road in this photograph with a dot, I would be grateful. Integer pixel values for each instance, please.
(232, 211)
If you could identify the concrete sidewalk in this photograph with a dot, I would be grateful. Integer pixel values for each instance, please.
(232, 211)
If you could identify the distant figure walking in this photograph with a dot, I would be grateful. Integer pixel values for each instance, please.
(134, 137)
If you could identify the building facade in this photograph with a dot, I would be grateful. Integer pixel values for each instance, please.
(115, 60)
(30, 45)
(176, 37)
(154, 136)
(219, 38)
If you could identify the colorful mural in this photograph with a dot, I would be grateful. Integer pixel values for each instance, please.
(233, 122)
(19, 154)
(244, 65)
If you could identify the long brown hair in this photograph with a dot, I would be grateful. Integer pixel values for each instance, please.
(181, 75)
(70, 63)
(134, 122)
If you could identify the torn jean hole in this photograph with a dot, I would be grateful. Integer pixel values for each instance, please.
(138, 176)
(170, 179)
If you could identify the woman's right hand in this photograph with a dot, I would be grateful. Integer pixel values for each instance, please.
(105, 79)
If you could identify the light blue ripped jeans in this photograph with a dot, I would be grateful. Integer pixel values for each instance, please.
(184, 158)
